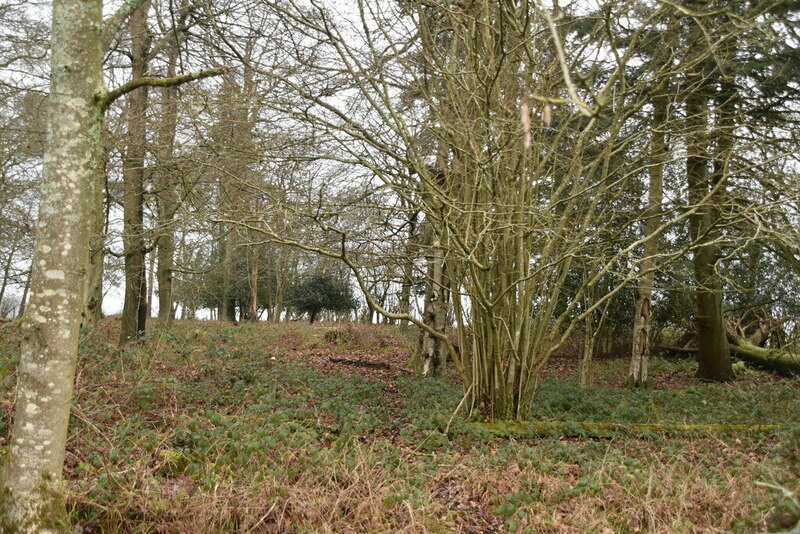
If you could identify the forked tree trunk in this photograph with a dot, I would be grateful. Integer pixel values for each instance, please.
(31, 496)
(643, 303)
(134, 311)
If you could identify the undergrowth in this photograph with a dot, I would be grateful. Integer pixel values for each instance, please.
(207, 427)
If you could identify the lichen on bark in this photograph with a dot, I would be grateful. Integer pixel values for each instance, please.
(31, 493)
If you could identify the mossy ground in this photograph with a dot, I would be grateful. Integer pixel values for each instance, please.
(213, 428)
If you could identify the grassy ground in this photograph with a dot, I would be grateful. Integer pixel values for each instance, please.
(213, 428)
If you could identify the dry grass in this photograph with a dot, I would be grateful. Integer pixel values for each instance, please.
(212, 428)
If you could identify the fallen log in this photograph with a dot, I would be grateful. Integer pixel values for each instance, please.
(373, 365)
(567, 429)
(780, 361)
(674, 351)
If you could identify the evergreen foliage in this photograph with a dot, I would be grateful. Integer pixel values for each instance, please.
(322, 292)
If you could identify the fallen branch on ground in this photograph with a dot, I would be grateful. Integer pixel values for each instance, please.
(373, 365)
(541, 429)
(780, 361)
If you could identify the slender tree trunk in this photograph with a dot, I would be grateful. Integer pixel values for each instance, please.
(643, 302)
(705, 191)
(404, 306)
(23, 302)
(590, 332)
(585, 372)
(253, 304)
(134, 311)
(31, 496)
(7, 270)
(151, 273)
(94, 279)
(93, 310)
(167, 201)
(228, 307)
(433, 349)
(279, 296)
(408, 272)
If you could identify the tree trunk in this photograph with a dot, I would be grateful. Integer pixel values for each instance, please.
(404, 306)
(434, 350)
(151, 273)
(228, 304)
(279, 294)
(585, 372)
(134, 311)
(590, 334)
(705, 192)
(31, 497)
(253, 278)
(780, 361)
(166, 200)
(23, 301)
(7, 270)
(643, 303)
(94, 275)
(93, 309)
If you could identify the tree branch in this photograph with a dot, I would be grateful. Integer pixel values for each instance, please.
(109, 98)
(115, 22)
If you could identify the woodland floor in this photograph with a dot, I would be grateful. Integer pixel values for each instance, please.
(208, 427)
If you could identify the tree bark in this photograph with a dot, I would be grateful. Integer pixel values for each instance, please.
(280, 291)
(643, 303)
(167, 201)
(434, 350)
(151, 273)
(24, 300)
(7, 269)
(94, 274)
(228, 304)
(252, 313)
(93, 309)
(585, 370)
(31, 497)
(591, 330)
(404, 306)
(134, 311)
(235, 133)
(781, 361)
(705, 192)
